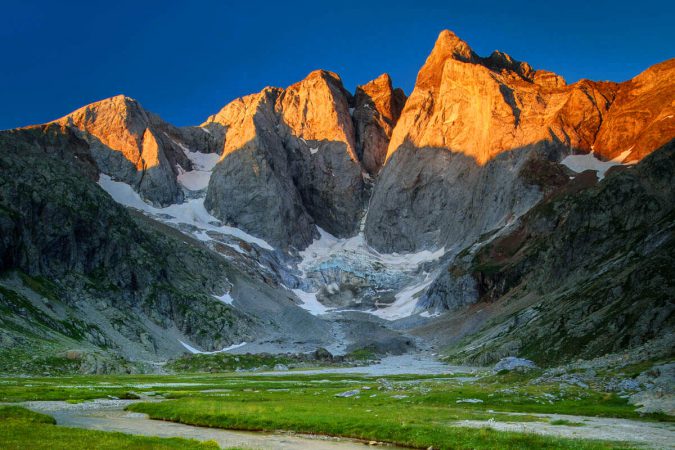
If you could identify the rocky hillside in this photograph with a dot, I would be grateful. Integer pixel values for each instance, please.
(121, 283)
(588, 271)
(89, 284)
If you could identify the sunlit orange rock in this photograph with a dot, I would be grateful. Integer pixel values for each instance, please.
(642, 115)
(137, 147)
(377, 107)
(117, 122)
(484, 106)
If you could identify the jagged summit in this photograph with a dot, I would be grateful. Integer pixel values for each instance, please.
(448, 44)
(471, 126)
(133, 145)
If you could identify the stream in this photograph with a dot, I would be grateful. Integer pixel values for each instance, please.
(109, 415)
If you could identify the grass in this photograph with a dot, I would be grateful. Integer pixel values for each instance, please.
(21, 429)
(409, 410)
(382, 420)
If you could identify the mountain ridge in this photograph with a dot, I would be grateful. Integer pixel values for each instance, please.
(309, 217)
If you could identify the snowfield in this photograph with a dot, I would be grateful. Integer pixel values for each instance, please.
(328, 254)
(581, 163)
(193, 350)
(202, 164)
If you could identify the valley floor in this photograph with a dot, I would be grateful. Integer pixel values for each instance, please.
(456, 407)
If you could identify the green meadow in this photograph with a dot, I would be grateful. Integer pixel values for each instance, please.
(408, 410)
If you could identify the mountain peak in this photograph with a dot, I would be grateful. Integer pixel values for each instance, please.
(448, 44)
(447, 47)
(381, 82)
(324, 75)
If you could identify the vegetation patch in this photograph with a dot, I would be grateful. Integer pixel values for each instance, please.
(567, 423)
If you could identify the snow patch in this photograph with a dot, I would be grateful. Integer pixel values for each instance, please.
(192, 212)
(310, 302)
(225, 298)
(193, 350)
(406, 301)
(580, 163)
(189, 348)
(313, 150)
(202, 167)
(328, 245)
(194, 180)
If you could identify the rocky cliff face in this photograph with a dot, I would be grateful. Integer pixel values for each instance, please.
(642, 115)
(377, 107)
(289, 162)
(456, 158)
(137, 147)
(586, 272)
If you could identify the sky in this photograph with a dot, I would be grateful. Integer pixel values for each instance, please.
(184, 60)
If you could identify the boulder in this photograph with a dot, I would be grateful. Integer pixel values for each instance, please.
(512, 363)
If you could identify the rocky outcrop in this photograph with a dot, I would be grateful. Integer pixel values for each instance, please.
(587, 271)
(377, 107)
(469, 129)
(137, 147)
(289, 162)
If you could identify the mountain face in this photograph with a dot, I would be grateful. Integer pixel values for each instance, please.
(496, 211)
(299, 141)
(80, 267)
(457, 158)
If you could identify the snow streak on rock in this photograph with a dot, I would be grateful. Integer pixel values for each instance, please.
(192, 212)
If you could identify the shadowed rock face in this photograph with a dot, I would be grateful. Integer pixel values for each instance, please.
(251, 187)
(377, 107)
(496, 113)
(591, 268)
(289, 162)
(108, 265)
(137, 147)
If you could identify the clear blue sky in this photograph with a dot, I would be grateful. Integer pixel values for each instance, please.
(186, 59)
